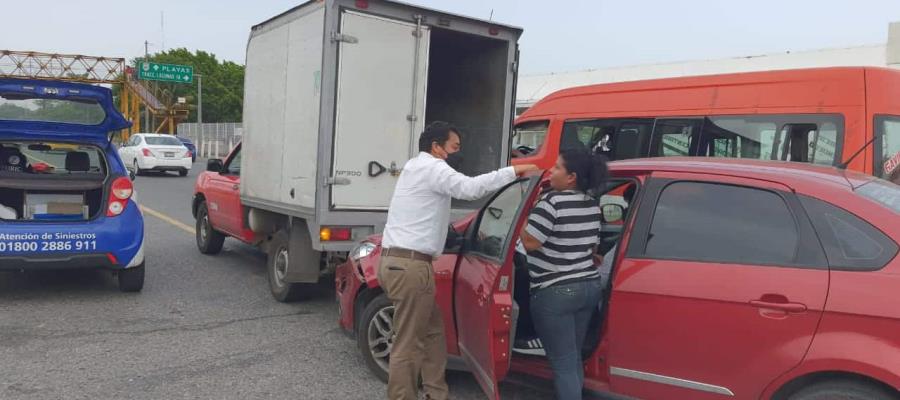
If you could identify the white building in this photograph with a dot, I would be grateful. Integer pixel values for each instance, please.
(532, 88)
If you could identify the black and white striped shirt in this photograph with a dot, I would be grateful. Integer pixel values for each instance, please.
(568, 225)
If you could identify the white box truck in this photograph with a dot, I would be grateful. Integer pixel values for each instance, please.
(336, 95)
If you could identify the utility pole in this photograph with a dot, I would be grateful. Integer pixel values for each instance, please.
(200, 110)
(199, 98)
(146, 109)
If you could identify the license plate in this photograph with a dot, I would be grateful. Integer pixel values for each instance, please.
(169, 155)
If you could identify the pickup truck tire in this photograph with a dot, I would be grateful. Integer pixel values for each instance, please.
(131, 279)
(209, 240)
(182, 172)
(374, 335)
(844, 389)
(277, 262)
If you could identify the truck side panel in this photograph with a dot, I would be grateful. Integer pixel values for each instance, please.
(281, 110)
(301, 120)
(264, 102)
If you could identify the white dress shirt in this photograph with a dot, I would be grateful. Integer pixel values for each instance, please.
(420, 208)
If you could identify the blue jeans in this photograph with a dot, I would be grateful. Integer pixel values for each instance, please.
(561, 315)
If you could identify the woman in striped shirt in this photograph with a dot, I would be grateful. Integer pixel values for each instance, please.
(561, 237)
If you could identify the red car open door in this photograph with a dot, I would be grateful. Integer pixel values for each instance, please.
(484, 279)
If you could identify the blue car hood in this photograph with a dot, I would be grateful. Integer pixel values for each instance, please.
(114, 121)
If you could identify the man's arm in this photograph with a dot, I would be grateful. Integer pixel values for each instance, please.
(450, 182)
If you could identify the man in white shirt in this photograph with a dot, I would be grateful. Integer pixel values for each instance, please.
(414, 235)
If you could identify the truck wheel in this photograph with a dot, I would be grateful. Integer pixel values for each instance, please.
(132, 279)
(375, 335)
(277, 263)
(182, 172)
(844, 389)
(209, 240)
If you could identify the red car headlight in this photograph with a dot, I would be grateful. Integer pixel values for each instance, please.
(362, 251)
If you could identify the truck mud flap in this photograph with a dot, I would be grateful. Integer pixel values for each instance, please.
(306, 268)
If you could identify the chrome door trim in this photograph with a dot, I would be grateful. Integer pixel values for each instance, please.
(668, 380)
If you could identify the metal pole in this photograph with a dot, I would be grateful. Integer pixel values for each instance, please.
(199, 99)
(218, 135)
(200, 104)
(146, 108)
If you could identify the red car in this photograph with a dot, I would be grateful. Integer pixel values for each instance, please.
(735, 279)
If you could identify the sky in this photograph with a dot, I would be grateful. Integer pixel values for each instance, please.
(560, 35)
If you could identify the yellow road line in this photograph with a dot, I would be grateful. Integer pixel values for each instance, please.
(178, 224)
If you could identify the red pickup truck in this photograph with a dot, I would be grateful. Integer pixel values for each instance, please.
(219, 213)
(217, 205)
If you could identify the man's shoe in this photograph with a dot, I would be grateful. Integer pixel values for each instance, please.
(528, 346)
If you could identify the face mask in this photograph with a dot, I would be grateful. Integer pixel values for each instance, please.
(454, 160)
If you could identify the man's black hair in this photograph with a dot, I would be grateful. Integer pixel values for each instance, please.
(436, 132)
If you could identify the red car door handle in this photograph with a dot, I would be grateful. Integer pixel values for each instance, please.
(235, 187)
(789, 307)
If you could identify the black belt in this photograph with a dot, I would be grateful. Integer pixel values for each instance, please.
(406, 253)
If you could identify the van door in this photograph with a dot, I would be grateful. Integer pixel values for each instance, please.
(483, 284)
(382, 65)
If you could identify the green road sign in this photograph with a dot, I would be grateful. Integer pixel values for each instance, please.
(150, 71)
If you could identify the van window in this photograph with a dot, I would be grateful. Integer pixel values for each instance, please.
(618, 139)
(887, 148)
(737, 137)
(812, 139)
(528, 137)
(674, 137)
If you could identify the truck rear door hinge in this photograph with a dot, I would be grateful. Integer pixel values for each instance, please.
(340, 37)
(337, 181)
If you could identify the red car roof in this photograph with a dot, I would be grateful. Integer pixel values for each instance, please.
(785, 172)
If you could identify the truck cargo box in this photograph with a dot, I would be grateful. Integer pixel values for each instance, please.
(337, 93)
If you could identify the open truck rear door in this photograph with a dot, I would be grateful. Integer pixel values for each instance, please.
(381, 62)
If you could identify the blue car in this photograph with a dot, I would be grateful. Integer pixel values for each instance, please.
(66, 199)
(190, 145)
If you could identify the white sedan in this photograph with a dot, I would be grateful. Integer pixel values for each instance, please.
(154, 152)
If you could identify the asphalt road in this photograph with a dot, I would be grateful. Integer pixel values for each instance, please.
(204, 327)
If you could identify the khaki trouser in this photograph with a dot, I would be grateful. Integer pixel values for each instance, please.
(419, 343)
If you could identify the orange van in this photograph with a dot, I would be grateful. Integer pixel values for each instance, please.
(845, 117)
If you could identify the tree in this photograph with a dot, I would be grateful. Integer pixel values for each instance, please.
(223, 84)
